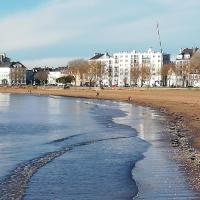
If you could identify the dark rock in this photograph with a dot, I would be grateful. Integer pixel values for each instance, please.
(193, 157)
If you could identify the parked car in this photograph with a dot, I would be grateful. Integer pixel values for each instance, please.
(60, 84)
(197, 85)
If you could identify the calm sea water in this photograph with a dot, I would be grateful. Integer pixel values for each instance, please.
(67, 148)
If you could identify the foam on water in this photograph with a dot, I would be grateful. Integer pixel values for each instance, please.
(157, 176)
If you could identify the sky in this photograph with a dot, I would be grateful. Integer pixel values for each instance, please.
(42, 33)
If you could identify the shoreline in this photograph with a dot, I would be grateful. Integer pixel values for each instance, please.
(181, 125)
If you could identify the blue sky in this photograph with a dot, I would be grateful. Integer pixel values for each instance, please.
(52, 32)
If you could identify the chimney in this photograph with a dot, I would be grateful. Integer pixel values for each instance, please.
(1, 58)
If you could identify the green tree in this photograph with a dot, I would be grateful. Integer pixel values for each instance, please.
(65, 79)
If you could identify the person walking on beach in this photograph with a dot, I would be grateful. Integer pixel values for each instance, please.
(129, 98)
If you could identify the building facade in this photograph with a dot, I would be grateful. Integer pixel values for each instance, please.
(107, 63)
(183, 67)
(52, 76)
(119, 68)
(11, 73)
(56, 73)
(185, 74)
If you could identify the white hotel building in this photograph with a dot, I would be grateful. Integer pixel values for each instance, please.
(118, 66)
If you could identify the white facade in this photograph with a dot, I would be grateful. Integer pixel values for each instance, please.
(125, 60)
(52, 76)
(118, 67)
(11, 72)
(195, 80)
(5, 76)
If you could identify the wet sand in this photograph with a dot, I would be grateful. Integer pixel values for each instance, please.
(181, 106)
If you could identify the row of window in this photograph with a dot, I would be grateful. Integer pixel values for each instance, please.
(136, 56)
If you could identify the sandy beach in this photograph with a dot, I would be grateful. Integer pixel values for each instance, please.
(181, 106)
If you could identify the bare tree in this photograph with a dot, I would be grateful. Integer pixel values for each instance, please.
(41, 76)
(82, 69)
(135, 73)
(195, 67)
(145, 73)
(182, 73)
(103, 71)
(167, 71)
(94, 72)
(195, 63)
(100, 70)
(18, 74)
(186, 70)
(77, 68)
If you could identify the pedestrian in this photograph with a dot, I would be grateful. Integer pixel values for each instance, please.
(129, 98)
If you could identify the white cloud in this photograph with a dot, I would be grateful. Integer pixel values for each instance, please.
(177, 3)
(177, 24)
(91, 23)
(48, 24)
(49, 62)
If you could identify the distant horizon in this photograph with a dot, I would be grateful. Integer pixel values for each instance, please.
(63, 61)
(53, 32)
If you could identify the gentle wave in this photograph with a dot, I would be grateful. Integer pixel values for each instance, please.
(94, 103)
(14, 185)
(65, 138)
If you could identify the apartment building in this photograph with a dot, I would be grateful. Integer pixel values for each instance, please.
(184, 75)
(118, 67)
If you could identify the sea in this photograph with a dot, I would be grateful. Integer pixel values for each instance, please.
(63, 148)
